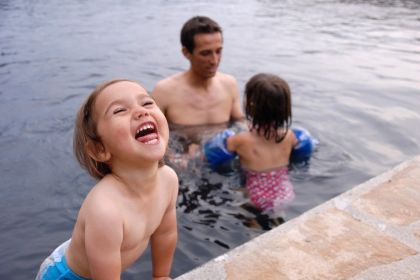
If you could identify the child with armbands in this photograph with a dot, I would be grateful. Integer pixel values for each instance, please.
(265, 149)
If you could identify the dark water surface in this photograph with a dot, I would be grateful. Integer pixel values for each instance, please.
(353, 66)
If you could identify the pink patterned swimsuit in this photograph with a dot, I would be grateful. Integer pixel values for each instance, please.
(269, 190)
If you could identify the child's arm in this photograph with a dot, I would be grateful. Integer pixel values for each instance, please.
(216, 148)
(163, 240)
(231, 143)
(103, 239)
(294, 140)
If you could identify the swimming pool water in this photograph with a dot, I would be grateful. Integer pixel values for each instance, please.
(353, 67)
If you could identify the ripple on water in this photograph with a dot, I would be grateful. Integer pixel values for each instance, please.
(353, 66)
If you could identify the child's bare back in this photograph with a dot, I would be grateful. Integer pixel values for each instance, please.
(257, 153)
(264, 150)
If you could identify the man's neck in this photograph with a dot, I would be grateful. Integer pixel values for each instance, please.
(199, 81)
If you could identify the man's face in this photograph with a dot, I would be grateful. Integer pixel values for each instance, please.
(205, 57)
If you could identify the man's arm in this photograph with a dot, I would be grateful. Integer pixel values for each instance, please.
(158, 94)
(164, 239)
(236, 112)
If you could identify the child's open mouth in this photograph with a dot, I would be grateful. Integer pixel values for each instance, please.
(147, 133)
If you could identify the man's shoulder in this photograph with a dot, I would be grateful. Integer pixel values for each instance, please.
(228, 83)
(168, 88)
(171, 81)
(226, 80)
(226, 77)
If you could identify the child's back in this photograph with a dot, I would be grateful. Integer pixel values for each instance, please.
(258, 154)
(265, 164)
(265, 149)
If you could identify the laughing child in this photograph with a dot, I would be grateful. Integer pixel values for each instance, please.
(120, 138)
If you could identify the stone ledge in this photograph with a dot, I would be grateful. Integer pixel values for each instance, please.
(369, 232)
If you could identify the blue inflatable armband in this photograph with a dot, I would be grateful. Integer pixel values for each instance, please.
(306, 144)
(215, 149)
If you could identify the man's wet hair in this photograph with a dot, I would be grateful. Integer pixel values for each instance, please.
(197, 25)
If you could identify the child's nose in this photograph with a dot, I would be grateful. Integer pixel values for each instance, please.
(140, 112)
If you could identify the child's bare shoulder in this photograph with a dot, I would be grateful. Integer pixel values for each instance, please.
(238, 141)
(100, 191)
(169, 181)
(243, 136)
(168, 175)
(102, 203)
(291, 137)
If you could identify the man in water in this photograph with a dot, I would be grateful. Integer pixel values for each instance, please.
(200, 101)
(201, 95)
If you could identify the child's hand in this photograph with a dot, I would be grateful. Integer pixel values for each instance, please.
(162, 278)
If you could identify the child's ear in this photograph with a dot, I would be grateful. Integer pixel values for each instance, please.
(98, 152)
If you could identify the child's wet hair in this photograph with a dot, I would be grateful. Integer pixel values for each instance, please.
(86, 140)
(268, 105)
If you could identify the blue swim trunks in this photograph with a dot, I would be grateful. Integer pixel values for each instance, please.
(55, 266)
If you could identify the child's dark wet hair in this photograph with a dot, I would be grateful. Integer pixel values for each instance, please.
(268, 105)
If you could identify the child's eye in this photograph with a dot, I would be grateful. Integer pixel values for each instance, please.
(119, 110)
(148, 103)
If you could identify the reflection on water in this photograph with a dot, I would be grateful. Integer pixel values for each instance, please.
(353, 67)
(410, 4)
(185, 139)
